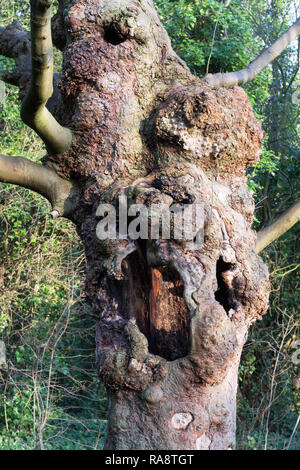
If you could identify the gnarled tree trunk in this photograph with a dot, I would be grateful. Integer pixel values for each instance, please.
(171, 320)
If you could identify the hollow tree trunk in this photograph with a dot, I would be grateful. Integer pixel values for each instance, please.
(171, 320)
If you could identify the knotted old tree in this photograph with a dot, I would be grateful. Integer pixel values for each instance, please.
(126, 116)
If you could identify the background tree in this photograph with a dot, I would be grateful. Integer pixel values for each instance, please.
(111, 32)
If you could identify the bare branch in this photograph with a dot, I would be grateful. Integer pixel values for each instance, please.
(280, 226)
(34, 112)
(23, 172)
(248, 74)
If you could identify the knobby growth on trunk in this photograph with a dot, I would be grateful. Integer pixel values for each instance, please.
(127, 117)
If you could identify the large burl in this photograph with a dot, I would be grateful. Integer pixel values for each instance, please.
(171, 321)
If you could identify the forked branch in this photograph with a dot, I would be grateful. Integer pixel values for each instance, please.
(248, 74)
(34, 112)
(281, 225)
(23, 172)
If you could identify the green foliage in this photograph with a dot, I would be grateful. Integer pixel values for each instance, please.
(50, 396)
(191, 24)
(268, 164)
(49, 386)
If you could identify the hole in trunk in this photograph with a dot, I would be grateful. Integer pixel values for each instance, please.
(116, 34)
(169, 320)
(225, 293)
(155, 298)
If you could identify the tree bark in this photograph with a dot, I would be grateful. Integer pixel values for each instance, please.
(171, 319)
(175, 414)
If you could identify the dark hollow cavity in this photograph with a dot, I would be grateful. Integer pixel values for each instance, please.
(155, 299)
(225, 292)
(115, 35)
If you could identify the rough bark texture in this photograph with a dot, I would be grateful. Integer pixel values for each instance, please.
(171, 321)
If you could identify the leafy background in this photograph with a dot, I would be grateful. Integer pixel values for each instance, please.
(50, 397)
